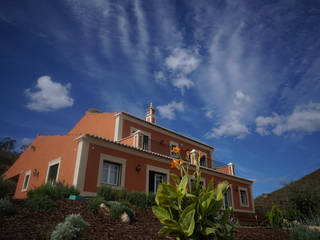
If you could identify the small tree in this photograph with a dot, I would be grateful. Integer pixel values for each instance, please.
(195, 213)
(275, 217)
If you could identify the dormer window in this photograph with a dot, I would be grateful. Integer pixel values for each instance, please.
(141, 139)
(203, 159)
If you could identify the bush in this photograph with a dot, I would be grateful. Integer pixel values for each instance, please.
(74, 227)
(40, 202)
(138, 198)
(94, 203)
(125, 203)
(117, 210)
(275, 217)
(151, 199)
(6, 207)
(108, 193)
(6, 187)
(301, 232)
(123, 194)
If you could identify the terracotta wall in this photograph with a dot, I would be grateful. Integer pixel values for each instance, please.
(37, 156)
(101, 124)
(160, 142)
(137, 180)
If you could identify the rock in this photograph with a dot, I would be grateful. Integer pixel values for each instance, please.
(104, 209)
(125, 218)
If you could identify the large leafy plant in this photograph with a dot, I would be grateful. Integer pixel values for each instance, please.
(192, 212)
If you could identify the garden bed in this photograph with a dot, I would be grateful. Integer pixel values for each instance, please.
(35, 224)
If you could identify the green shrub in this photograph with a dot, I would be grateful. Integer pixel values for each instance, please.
(151, 199)
(123, 194)
(38, 202)
(94, 203)
(117, 210)
(74, 227)
(275, 217)
(138, 198)
(125, 203)
(301, 232)
(192, 214)
(6, 187)
(108, 193)
(6, 207)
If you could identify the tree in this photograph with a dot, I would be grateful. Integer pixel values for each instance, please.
(7, 144)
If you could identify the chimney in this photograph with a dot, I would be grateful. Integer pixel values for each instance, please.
(151, 114)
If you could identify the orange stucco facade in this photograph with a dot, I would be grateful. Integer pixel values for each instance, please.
(99, 139)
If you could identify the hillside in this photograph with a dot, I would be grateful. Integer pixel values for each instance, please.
(279, 197)
(6, 160)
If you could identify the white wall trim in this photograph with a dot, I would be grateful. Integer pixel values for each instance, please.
(51, 163)
(156, 169)
(110, 158)
(81, 164)
(137, 133)
(246, 190)
(243, 211)
(28, 173)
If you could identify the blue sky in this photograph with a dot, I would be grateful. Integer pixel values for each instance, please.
(242, 76)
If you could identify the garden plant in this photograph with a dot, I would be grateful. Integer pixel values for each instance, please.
(192, 213)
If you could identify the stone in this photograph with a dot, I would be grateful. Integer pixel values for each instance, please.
(104, 210)
(125, 218)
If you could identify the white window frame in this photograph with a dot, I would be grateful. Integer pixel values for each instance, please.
(247, 195)
(116, 160)
(172, 154)
(206, 162)
(134, 130)
(232, 201)
(51, 163)
(28, 173)
(151, 168)
(191, 177)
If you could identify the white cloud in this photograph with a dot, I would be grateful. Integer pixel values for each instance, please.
(168, 111)
(182, 83)
(209, 114)
(304, 118)
(241, 98)
(26, 141)
(49, 95)
(232, 128)
(160, 77)
(182, 60)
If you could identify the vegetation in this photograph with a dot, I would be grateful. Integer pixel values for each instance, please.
(108, 193)
(6, 187)
(302, 232)
(6, 207)
(275, 217)
(94, 203)
(117, 210)
(192, 214)
(74, 227)
(44, 197)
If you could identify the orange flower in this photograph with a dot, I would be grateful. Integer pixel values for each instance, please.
(174, 163)
(201, 155)
(175, 150)
(188, 154)
(181, 161)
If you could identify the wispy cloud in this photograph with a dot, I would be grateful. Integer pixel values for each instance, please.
(48, 95)
(169, 111)
(304, 118)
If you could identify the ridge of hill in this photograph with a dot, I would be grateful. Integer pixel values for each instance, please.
(279, 197)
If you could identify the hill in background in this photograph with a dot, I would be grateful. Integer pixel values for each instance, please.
(264, 202)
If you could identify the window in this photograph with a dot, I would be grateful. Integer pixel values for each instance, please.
(173, 145)
(111, 173)
(155, 178)
(243, 194)
(203, 160)
(227, 198)
(145, 142)
(26, 181)
(53, 171)
(142, 136)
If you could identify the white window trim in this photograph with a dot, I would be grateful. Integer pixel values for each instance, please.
(142, 132)
(112, 159)
(171, 153)
(246, 190)
(232, 201)
(28, 173)
(51, 163)
(156, 169)
(205, 154)
(191, 177)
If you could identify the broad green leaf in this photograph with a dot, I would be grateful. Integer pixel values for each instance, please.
(160, 212)
(183, 183)
(209, 231)
(188, 223)
(175, 178)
